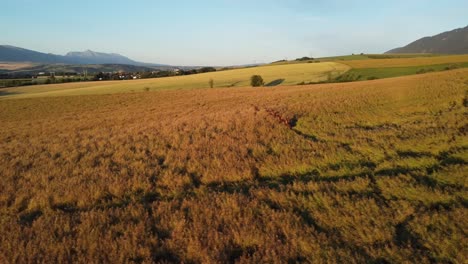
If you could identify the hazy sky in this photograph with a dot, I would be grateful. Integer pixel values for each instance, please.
(224, 32)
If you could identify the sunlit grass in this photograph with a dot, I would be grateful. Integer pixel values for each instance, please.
(359, 172)
(276, 75)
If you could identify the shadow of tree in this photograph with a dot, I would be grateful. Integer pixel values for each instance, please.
(5, 93)
(234, 84)
(279, 182)
(275, 82)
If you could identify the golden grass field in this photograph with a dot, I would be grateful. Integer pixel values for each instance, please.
(363, 172)
(405, 62)
(289, 74)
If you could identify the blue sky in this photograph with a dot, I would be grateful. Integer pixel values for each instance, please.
(224, 32)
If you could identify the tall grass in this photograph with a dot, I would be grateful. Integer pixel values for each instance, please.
(359, 172)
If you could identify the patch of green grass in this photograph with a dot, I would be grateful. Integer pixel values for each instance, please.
(345, 57)
(361, 56)
(409, 55)
(380, 73)
(376, 56)
(393, 62)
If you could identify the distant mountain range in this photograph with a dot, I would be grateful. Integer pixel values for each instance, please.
(16, 54)
(91, 57)
(450, 42)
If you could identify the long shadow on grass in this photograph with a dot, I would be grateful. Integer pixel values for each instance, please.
(6, 93)
(27, 218)
(234, 84)
(275, 82)
(278, 182)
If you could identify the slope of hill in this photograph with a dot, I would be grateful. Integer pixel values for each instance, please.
(15, 54)
(363, 172)
(450, 42)
(273, 76)
(406, 62)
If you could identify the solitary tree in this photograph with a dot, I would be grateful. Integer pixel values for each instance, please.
(256, 81)
(211, 83)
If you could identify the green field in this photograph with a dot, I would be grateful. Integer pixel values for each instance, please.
(387, 66)
(380, 73)
(272, 75)
(360, 57)
(4, 83)
(405, 62)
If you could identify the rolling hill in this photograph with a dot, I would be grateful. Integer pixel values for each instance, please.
(362, 172)
(450, 42)
(16, 54)
(277, 75)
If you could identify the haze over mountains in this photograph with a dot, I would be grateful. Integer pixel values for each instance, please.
(91, 57)
(450, 42)
(16, 54)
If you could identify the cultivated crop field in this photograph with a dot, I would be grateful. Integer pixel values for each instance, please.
(372, 171)
(273, 76)
(382, 67)
(405, 62)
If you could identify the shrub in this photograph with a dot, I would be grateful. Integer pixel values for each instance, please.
(304, 59)
(256, 81)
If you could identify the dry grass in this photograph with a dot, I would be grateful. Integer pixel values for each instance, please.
(275, 75)
(358, 172)
(405, 62)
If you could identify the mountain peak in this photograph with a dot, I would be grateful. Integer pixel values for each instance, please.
(16, 54)
(89, 56)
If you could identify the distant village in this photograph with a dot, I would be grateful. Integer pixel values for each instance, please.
(49, 77)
